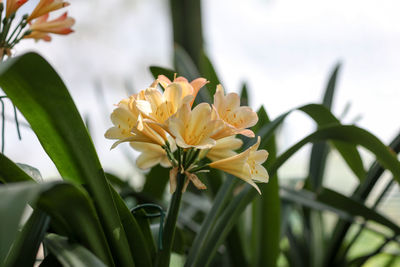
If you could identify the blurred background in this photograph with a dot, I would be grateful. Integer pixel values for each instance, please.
(284, 50)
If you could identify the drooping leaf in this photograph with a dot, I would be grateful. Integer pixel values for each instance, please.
(10, 172)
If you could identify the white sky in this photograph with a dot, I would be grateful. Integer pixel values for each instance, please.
(284, 49)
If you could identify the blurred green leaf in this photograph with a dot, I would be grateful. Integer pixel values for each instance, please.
(207, 71)
(13, 201)
(267, 210)
(25, 247)
(71, 254)
(156, 71)
(156, 181)
(10, 172)
(244, 96)
(73, 212)
(140, 247)
(185, 67)
(41, 96)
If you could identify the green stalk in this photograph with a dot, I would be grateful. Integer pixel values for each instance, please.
(169, 228)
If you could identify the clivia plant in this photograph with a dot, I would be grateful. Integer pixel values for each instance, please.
(195, 136)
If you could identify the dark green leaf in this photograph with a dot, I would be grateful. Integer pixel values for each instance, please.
(13, 201)
(10, 172)
(156, 71)
(71, 209)
(25, 247)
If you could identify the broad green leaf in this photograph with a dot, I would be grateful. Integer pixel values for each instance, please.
(156, 181)
(26, 245)
(349, 134)
(71, 254)
(41, 96)
(138, 244)
(13, 201)
(71, 209)
(156, 71)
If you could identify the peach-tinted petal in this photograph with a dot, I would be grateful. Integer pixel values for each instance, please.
(46, 6)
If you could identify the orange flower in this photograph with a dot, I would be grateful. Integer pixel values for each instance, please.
(13, 5)
(41, 27)
(46, 6)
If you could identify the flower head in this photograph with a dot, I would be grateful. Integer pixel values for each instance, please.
(246, 165)
(236, 118)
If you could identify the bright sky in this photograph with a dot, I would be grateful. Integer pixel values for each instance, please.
(284, 49)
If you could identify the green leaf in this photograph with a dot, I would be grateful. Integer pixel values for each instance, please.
(185, 67)
(138, 244)
(71, 209)
(343, 206)
(41, 96)
(26, 245)
(207, 71)
(330, 88)
(13, 201)
(244, 96)
(156, 71)
(267, 232)
(10, 172)
(156, 181)
(71, 254)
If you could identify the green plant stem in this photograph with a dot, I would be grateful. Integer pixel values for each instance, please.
(169, 228)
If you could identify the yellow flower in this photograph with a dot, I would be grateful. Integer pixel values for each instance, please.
(13, 5)
(46, 6)
(246, 165)
(191, 88)
(152, 154)
(193, 128)
(190, 177)
(236, 118)
(224, 148)
(41, 27)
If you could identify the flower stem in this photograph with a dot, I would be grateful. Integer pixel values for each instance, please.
(164, 255)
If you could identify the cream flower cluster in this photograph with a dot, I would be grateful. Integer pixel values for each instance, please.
(168, 130)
